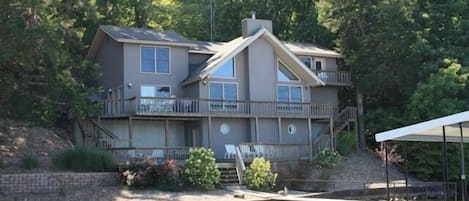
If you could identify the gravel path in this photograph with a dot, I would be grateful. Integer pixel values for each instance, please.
(124, 194)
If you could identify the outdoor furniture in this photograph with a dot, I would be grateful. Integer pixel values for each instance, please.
(246, 150)
(230, 151)
(260, 151)
(157, 154)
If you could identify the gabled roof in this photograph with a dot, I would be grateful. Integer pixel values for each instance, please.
(432, 130)
(206, 47)
(137, 35)
(232, 48)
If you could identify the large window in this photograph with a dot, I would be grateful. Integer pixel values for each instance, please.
(225, 95)
(291, 94)
(154, 59)
(283, 74)
(307, 60)
(155, 91)
(227, 70)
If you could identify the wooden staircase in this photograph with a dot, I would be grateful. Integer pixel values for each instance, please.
(95, 134)
(229, 176)
(341, 121)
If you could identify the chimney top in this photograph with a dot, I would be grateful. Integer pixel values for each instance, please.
(253, 15)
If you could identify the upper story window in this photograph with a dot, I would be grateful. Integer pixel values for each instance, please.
(307, 60)
(224, 92)
(154, 59)
(227, 70)
(283, 74)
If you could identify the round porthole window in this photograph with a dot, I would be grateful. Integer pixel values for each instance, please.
(224, 128)
(291, 129)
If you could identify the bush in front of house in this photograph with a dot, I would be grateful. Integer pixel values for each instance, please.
(83, 160)
(29, 162)
(346, 142)
(259, 176)
(201, 169)
(165, 176)
(326, 158)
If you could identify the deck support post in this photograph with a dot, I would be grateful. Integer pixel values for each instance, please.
(209, 133)
(131, 135)
(310, 139)
(279, 122)
(257, 129)
(166, 130)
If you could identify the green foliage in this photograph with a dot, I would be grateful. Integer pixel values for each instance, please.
(166, 176)
(201, 169)
(29, 162)
(326, 158)
(259, 176)
(347, 142)
(83, 160)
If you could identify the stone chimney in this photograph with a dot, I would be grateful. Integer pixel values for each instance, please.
(252, 25)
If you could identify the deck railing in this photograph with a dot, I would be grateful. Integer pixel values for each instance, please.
(203, 107)
(335, 77)
(275, 152)
(123, 155)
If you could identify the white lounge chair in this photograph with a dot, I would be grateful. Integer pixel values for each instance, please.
(246, 151)
(158, 154)
(230, 151)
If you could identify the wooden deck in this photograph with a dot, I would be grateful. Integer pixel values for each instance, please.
(186, 107)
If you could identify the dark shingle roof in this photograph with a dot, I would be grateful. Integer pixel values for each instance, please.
(144, 34)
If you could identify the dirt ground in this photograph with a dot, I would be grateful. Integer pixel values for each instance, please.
(125, 194)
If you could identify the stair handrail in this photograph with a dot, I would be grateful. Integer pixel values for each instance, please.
(240, 167)
(104, 129)
(346, 115)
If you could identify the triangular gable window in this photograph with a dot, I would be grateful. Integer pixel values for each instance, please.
(283, 74)
(227, 70)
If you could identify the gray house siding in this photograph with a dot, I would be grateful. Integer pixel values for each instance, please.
(325, 95)
(178, 71)
(301, 134)
(261, 62)
(238, 133)
(331, 64)
(268, 131)
(110, 58)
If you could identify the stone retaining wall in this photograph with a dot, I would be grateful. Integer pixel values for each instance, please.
(54, 182)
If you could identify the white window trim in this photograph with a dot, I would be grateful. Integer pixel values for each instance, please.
(311, 60)
(289, 91)
(151, 46)
(322, 60)
(155, 85)
(278, 69)
(223, 95)
(234, 71)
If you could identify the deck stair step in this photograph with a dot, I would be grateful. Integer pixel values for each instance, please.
(228, 176)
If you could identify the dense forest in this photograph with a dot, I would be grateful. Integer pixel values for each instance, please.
(409, 58)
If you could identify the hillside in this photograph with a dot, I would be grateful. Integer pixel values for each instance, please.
(19, 139)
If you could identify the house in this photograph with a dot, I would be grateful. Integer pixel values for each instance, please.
(164, 93)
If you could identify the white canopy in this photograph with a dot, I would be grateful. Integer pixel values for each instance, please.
(431, 131)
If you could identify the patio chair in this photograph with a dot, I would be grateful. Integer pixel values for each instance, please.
(246, 151)
(260, 151)
(157, 154)
(230, 151)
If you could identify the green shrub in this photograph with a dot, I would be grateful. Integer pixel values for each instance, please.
(326, 158)
(201, 169)
(346, 142)
(83, 160)
(29, 162)
(167, 176)
(259, 176)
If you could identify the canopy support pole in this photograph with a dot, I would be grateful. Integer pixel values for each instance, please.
(387, 170)
(463, 165)
(445, 166)
(406, 173)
